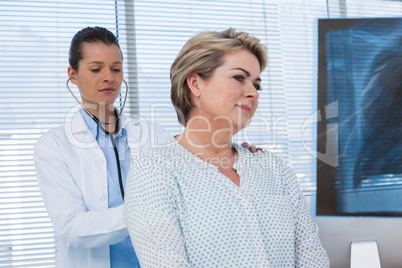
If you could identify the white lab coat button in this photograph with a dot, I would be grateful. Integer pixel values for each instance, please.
(100, 161)
(102, 197)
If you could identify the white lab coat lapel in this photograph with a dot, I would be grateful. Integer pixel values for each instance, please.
(95, 173)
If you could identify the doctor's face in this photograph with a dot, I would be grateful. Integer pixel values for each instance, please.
(99, 75)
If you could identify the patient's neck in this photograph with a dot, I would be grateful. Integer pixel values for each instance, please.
(207, 140)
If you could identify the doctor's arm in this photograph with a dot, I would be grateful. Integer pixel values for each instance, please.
(72, 221)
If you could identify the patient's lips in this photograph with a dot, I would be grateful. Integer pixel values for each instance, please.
(245, 108)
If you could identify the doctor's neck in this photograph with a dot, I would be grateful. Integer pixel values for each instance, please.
(105, 113)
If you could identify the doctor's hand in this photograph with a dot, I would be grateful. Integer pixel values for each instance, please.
(251, 147)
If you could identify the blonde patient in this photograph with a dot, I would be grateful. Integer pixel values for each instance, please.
(204, 201)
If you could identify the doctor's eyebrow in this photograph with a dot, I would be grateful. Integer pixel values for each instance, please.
(247, 73)
(101, 62)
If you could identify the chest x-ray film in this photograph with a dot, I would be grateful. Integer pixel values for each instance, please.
(360, 99)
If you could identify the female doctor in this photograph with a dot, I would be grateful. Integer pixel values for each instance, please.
(82, 165)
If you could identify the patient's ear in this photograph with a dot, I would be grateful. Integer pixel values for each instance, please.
(194, 82)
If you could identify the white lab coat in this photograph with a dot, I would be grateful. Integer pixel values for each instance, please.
(72, 176)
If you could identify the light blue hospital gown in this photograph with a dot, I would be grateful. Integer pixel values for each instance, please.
(182, 212)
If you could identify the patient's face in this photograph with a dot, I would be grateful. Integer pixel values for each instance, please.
(230, 96)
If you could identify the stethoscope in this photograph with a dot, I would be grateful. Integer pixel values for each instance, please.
(110, 134)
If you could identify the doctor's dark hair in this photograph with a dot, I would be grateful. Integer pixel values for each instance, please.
(201, 55)
(89, 35)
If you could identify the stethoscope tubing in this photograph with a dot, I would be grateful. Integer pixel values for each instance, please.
(116, 153)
